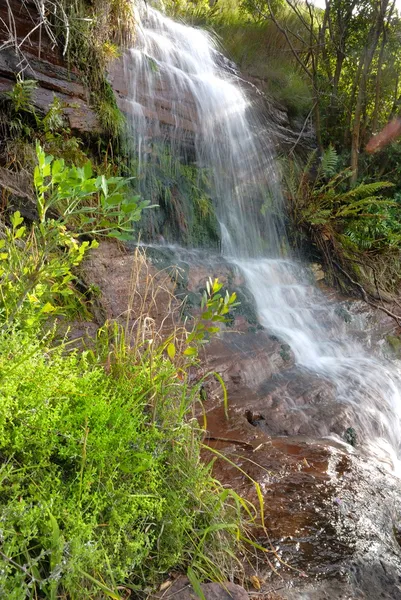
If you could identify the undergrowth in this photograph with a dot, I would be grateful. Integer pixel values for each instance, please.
(98, 491)
(355, 231)
(102, 487)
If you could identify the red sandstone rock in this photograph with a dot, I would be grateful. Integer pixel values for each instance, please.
(44, 63)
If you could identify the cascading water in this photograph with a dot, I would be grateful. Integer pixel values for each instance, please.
(177, 76)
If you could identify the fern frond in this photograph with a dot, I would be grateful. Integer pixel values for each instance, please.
(366, 189)
(352, 209)
(329, 162)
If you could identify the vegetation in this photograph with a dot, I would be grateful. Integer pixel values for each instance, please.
(103, 490)
(101, 483)
(89, 35)
(182, 191)
(357, 229)
(100, 491)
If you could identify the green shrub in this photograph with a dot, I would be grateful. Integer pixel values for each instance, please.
(94, 488)
(37, 263)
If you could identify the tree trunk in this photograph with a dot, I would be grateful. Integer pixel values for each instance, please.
(347, 132)
(374, 36)
(375, 116)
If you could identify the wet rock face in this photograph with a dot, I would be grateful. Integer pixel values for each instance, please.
(42, 61)
(158, 110)
(332, 516)
(329, 517)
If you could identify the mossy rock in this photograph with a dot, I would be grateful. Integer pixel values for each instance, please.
(395, 344)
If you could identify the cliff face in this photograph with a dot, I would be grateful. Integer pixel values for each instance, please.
(286, 133)
(27, 48)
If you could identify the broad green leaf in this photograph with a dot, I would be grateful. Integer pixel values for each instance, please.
(19, 232)
(16, 219)
(190, 351)
(88, 170)
(48, 308)
(171, 350)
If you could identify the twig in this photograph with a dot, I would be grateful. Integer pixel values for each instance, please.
(231, 441)
(303, 128)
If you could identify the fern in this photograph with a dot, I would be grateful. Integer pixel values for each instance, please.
(350, 227)
(329, 163)
(366, 189)
(352, 209)
(21, 94)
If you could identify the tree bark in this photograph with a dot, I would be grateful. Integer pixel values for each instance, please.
(378, 82)
(374, 36)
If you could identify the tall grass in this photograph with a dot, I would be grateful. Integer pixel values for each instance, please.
(101, 481)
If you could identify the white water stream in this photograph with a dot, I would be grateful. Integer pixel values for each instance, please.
(178, 77)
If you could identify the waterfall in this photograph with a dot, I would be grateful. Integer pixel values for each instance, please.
(181, 88)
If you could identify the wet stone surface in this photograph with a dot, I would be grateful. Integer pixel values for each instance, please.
(332, 515)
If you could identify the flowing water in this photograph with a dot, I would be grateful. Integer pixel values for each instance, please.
(177, 76)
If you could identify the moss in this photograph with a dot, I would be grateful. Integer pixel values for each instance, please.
(395, 344)
(186, 212)
(285, 352)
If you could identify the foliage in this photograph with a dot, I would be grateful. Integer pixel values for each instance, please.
(345, 223)
(182, 191)
(99, 492)
(23, 126)
(96, 32)
(65, 189)
(216, 309)
(21, 95)
(101, 483)
(36, 267)
(89, 34)
(36, 272)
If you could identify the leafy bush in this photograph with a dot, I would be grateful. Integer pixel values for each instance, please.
(113, 210)
(96, 489)
(101, 483)
(36, 264)
(36, 271)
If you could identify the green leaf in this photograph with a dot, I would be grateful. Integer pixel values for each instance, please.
(171, 351)
(190, 351)
(104, 588)
(88, 170)
(195, 583)
(120, 235)
(48, 308)
(16, 219)
(19, 232)
(57, 167)
(104, 186)
(213, 329)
